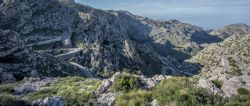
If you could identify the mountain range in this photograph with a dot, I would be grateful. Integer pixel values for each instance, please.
(45, 43)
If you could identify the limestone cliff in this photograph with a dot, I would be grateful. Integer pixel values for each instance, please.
(103, 42)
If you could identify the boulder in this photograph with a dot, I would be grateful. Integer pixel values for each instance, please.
(106, 84)
(112, 79)
(231, 85)
(149, 83)
(50, 101)
(107, 99)
(205, 83)
(33, 84)
(153, 103)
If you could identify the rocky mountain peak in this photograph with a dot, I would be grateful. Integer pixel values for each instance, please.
(233, 29)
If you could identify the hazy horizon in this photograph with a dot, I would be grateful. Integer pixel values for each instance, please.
(209, 14)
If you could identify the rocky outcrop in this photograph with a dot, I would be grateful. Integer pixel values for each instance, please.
(232, 84)
(107, 83)
(50, 101)
(32, 85)
(204, 83)
(107, 99)
(239, 29)
(227, 62)
(143, 82)
(153, 103)
(148, 83)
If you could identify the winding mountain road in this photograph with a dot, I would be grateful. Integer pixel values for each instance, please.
(45, 42)
(68, 55)
(83, 69)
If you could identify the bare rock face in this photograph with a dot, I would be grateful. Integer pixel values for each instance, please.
(204, 83)
(32, 85)
(149, 83)
(50, 101)
(153, 103)
(111, 40)
(231, 85)
(107, 99)
(106, 84)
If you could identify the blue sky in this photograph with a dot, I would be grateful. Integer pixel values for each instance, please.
(209, 14)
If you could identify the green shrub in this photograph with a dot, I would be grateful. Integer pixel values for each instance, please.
(81, 45)
(125, 82)
(105, 73)
(134, 98)
(234, 68)
(9, 100)
(41, 94)
(239, 100)
(7, 88)
(76, 90)
(182, 92)
(218, 83)
(242, 91)
(235, 71)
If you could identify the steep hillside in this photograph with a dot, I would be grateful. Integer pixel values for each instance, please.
(102, 42)
(227, 62)
(180, 40)
(18, 61)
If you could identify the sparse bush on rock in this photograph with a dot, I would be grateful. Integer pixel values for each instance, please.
(243, 91)
(125, 82)
(218, 83)
(134, 98)
(9, 100)
(182, 92)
